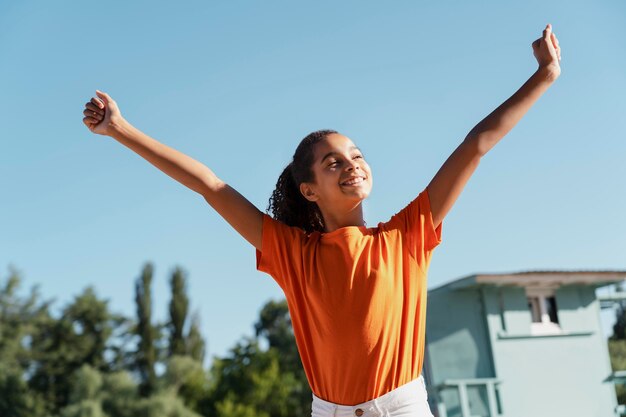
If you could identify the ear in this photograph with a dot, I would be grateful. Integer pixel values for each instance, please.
(308, 192)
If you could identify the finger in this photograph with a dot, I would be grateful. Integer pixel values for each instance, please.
(90, 122)
(548, 43)
(535, 44)
(95, 108)
(546, 32)
(98, 102)
(554, 40)
(104, 96)
(557, 49)
(93, 114)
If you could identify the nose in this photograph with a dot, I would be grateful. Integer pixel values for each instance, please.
(353, 165)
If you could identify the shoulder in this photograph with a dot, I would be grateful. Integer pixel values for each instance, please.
(273, 229)
(419, 205)
(283, 251)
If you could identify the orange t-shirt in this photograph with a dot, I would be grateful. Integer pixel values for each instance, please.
(357, 299)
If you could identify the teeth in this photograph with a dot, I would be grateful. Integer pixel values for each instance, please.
(353, 181)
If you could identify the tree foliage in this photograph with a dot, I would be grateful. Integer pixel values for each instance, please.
(195, 343)
(617, 353)
(179, 305)
(146, 352)
(86, 361)
(617, 344)
(253, 381)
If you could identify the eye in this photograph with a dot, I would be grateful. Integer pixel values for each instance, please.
(358, 157)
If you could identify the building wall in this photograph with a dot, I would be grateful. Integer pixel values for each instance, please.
(484, 332)
(456, 336)
(550, 375)
(457, 345)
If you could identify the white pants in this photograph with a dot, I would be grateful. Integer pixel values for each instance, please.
(408, 400)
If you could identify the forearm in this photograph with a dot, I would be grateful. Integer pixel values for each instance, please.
(177, 165)
(498, 123)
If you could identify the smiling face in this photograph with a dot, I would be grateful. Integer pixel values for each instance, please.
(342, 178)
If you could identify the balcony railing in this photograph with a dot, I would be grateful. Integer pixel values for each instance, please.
(618, 378)
(477, 397)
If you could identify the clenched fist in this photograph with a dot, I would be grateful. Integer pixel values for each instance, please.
(102, 114)
(548, 52)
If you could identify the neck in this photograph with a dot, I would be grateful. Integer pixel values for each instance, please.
(334, 220)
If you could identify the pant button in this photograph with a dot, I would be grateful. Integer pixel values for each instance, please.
(358, 412)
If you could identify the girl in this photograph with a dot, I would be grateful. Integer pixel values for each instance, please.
(356, 295)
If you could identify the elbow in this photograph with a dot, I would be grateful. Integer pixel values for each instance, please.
(478, 144)
(212, 188)
(482, 142)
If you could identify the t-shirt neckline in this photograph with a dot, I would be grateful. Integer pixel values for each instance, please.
(348, 230)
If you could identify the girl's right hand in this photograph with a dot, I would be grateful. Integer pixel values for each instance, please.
(548, 52)
(102, 114)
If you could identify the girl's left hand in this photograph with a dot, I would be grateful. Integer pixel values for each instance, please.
(548, 52)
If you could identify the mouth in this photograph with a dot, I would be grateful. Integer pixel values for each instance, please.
(353, 181)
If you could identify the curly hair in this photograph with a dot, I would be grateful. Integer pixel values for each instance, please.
(287, 203)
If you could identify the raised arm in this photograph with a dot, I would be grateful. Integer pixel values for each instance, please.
(448, 183)
(102, 116)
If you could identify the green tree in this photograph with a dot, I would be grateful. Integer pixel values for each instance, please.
(78, 364)
(61, 346)
(19, 318)
(185, 353)
(617, 353)
(179, 306)
(163, 405)
(252, 381)
(619, 328)
(16, 399)
(121, 348)
(274, 324)
(195, 343)
(92, 326)
(249, 381)
(95, 394)
(119, 394)
(186, 378)
(85, 395)
(146, 352)
(617, 344)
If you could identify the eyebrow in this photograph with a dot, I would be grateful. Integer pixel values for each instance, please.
(352, 148)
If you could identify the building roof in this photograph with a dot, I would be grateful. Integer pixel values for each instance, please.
(546, 279)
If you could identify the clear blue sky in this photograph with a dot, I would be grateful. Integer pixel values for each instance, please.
(236, 85)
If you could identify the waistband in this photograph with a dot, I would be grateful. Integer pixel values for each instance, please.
(413, 392)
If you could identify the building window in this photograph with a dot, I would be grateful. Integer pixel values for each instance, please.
(543, 311)
(551, 304)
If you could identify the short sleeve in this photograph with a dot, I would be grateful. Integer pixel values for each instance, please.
(281, 251)
(415, 221)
